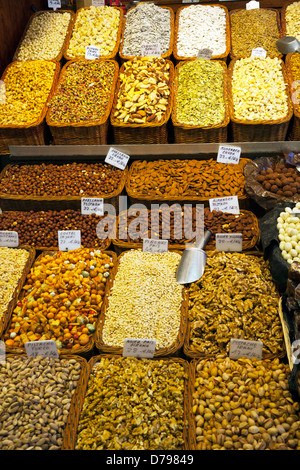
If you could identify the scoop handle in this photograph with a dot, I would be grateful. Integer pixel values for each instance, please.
(202, 242)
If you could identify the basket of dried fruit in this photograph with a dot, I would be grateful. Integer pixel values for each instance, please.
(252, 97)
(201, 27)
(81, 104)
(200, 110)
(15, 265)
(143, 101)
(61, 300)
(241, 304)
(137, 277)
(112, 378)
(292, 62)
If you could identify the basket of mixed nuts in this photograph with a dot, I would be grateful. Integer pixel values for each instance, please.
(143, 101)
(200, 110)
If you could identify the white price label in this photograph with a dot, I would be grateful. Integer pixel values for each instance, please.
(45, 348)
(9, 239)
(148, 50)
(252, 5)
(54, 4)
(69, 240)
(229, 241)
(155, 246)
(117, 158)
(204, 54)
(98, 3)
(228, 204)
(2, 352)
(135, 347)
(92, 52)
(228, 154)
(92, 205)
(259, 52)
(2, 92)
(245, 348)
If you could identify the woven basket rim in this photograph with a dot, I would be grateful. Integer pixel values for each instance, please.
(115, 123)
(166, 54)
(226, 119)
(115, 50)
(52, 123)
(228, 34)
(39, 13)
(263, 122)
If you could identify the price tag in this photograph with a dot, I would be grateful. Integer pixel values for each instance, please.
(117, 158)
(252, 5)
(134, 347)
(2, 352)
(151, 245)
(228, 154)
(204, 54)
(9, 239)
(228, 204)
(98, 3)
(229, 241)
(245, 348)
(148, 50)
(92, 205)
(69, 240)
(54, 4)
(259, 52)
(92, 52)
(2, 92)
(45, 348)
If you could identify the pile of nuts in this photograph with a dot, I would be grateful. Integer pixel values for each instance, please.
(254, 28)
(94, 26)
(144, 91)
(45, 36)
(292, 20)
(133, 404)
(39, 229)
(288, 225)
(63, 298)
(180, 178)
(68, 179)
(244, 405)
(145, 300)
(84, 92)
(200, 93)
(12, 264)
(281, 179)
(27, 88)
(235, 298)
(259, 90)
(35, 399)
(201, 27)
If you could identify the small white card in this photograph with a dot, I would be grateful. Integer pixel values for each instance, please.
(98, 3)
(229, 241)
(252, 5)
(2, 352)
(92, 205)
(228, 204)
(46, 348)
(245, 348)
(116, 158)
(9, 239)
(228, 154)
(204, 54)
(92, 52)
(69, 240)
(54, 4)
(152, 245)
(148, 50)
(259, 52)
(135, 347)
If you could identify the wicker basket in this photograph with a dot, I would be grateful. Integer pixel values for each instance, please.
(294, 132)
(149, 133)
(166, 351)
(192, 353)
(4, 319)
(258, 131)
(184, 133)
(79, 133)
(165, 55)
(223, 56)
(71, 430)
(33, 134)
(68, 32)
(84, 351)
(232, 12)
(113, 54)
(283, 16)
(11, 202)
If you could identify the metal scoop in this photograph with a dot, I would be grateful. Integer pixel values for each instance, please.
(193, 261)
(288, 44)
